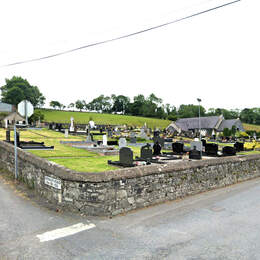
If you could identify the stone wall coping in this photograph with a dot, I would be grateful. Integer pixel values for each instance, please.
(124, 173)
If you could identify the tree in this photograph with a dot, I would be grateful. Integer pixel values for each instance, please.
(101, 103)
(17, 89)
(120, 103)
(79, 104)
(55, 104)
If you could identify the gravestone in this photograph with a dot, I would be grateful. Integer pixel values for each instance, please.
(109, 132)
(146, 152)
(71, 124)
(132, 138)
(112, 142)
(7, 134)
(156, 133)
(177, 147)
(228, 151)
(157, 149)
(197, 145)
(239, 146)
(122, 142)
(195, 154)
(104, 140)
(6, 123)
(159, 140)
(204, 142)
(50, 126)
(143, 134)
(126, 156)
(18, 139)
(211, 149)
(66, 133)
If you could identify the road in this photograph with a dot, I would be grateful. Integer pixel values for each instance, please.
(220, 224)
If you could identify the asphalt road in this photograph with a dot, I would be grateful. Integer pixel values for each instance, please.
(221, 224)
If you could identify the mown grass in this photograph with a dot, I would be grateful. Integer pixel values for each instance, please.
(103, 119)
(250, 127)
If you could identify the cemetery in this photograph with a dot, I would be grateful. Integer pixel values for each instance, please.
(110, 169)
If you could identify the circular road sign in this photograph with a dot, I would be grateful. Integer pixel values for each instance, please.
(25, 108)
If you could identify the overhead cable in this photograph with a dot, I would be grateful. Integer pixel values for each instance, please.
(120, 37)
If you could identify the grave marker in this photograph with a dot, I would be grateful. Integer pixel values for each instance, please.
(122, 142)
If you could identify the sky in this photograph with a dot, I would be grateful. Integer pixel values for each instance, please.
(214, 56)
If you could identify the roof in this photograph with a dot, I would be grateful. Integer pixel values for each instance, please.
(229, 123)
(4, 107)
(13, 116)
(209, 122)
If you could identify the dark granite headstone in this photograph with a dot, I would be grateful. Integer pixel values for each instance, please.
(112, 142)
(7, 136)
(126, 156)
(204, 142)
(18, 139)
(50, 126)
(159, 140)
(177, 147)
(195, 154)
(157, 149)
(156, 133)
(239, 146)
(228, 151)
(146, 152)
(211, 149)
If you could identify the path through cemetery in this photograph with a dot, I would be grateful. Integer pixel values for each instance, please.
(221, 224)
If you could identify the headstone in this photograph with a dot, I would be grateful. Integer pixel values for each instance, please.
(195, 154)
(104, 140)
(7, 133)
(143, 134)
(122, 142)
(71, 124)
(197, 145)
(146, 152)
(91, 124)
(18, 139)
(126, 156)
(109, 132)
(177, 147)
(239, 146)
(6, 123)
(132, 138)
(159, 140)
(228, 151)
(66, 133)
(204, 142)
(112, 142)
(156, 133)
(211, 149)
(50, 126)
(157, 149)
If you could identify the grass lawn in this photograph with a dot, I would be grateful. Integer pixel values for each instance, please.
(103, 119)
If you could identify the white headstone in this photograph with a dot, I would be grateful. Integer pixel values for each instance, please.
(66, 133)
(91, 124)
(6, 123)
(105, 140)
(122, 142)
(72, 124)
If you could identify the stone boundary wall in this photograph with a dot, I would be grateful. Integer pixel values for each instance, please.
(114, 192)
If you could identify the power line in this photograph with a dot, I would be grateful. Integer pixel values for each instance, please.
(120, 37)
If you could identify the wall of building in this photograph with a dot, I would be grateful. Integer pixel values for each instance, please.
(114, 192)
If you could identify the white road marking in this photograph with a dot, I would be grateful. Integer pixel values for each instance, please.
(63, 232)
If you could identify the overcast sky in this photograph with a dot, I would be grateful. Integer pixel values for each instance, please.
(214, 56)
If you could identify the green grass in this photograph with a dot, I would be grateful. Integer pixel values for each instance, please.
(103, 119)
(250, 127)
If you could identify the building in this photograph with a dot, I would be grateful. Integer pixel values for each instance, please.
(9, 116)
(209, 126)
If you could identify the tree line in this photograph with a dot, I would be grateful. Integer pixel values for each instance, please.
(153, 106)
(17, 89)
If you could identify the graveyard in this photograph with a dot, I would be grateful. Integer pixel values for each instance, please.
(89, 149)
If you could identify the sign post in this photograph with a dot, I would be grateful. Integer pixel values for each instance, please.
(15, 153)
(25, 108)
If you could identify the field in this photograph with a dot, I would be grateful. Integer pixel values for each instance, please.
(249, 127)
(103, 119)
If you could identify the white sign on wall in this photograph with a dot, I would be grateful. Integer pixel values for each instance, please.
(52, 182)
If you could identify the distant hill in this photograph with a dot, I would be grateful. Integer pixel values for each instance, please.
(58, 116)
